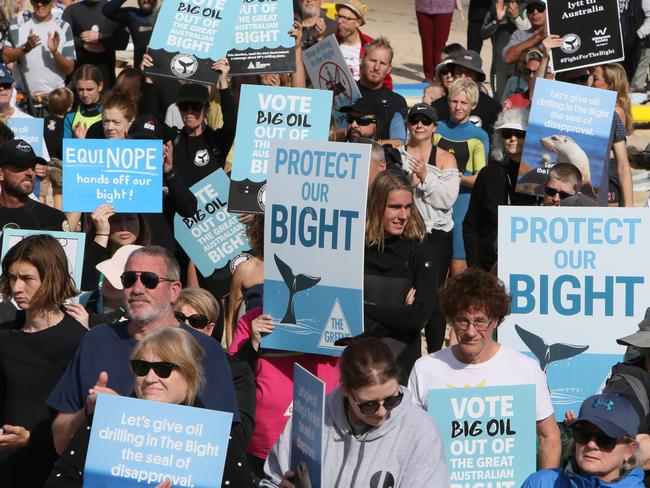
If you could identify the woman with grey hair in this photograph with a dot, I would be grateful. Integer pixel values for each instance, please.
(494, 186)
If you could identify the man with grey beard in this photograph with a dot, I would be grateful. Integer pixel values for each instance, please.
(151, 284)
(316, 26)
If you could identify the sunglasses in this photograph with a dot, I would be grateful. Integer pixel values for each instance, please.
(361, 121)
(368, 408)
(6, 86)
(508, 133)
(445, 70)
(197, 320)
(536, 8)
(149, 279)
(423, 120)
(529, 72)
(41, 2)
(603, 441)
(578, 80)
(551, 192)
(162, 369)
(193, 106)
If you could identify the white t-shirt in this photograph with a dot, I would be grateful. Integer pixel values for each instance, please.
(352, 56)
(441, 369)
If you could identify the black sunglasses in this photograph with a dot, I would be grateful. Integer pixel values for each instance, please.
(197, 320)
(368, 408)
(551, 192)
(361, 121)
(529, 71)
(539, 8)
(508, 133)
(603, 441)
(578, 80)
(162, 368)
(149, 279)
(194, 106)
(445, 70)
(424, 120)
(6, 86)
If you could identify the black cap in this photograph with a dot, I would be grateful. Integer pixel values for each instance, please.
(424, 109)
(361, 106)
(147, 127)
(192, 92)
(470, 60)
(19, 154)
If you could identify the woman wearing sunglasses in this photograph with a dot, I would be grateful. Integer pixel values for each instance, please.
(604, 452)
(167, 368)
(434, 175)
(199, 309)
(34, 353)
(372, 429)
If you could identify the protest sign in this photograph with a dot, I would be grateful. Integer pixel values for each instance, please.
(127, 173)
(73, 244)
(578, 283)
(328, 70)
(314, 244)
(267, 113)
(567, 124)
(307, 428)
(30, 130)
(590, 32)
(262, 43)
(212, 237)
(135, 442)
(189, 36)
(488, 432)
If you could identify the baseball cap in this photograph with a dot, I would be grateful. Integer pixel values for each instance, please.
(518, 125)
(536, 2)
(641, 338)
(611, 413)
(534, 54)
(361, 106)
(113, 267)
(5, 75)
(423, 109)
(192, 92)
(356, 6)
(471, 60)
(19, 154)
(147, 127)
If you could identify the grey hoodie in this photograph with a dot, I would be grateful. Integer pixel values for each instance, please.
(405, 451)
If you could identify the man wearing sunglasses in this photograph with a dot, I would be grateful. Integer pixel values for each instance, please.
(522, 40)
(361, 119)
(150, 285)
(476, 303)
(563, 181)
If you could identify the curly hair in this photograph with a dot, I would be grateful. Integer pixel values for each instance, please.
(475, 290)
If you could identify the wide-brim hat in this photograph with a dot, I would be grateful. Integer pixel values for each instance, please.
(356, 7)
(471, 60)
(640, 338)
(113, 267)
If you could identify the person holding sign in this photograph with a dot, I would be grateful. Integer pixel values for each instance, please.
(371, 430)
(475, 303)
(167, 368)
(33, 356)
(604, 451)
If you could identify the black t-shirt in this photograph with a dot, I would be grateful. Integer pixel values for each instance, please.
(32, 215)
(138, 23)
(387, 102)
(53, 135)
(484, 115)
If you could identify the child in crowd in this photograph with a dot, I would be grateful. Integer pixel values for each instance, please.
(60, 103)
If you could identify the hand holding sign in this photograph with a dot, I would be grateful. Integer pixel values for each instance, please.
(551, 42)
(224, 67)
(100, 387)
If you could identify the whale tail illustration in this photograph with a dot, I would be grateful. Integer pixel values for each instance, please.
(547, 354)
(295, 284)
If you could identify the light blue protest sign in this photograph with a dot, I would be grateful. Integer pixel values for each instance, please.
(137, 442)
(488, 432)
(262, 43)
(189, 36)
(126, 173)
(307, 428)
(267, 113)
(30, 130)
(212, 237)
(314, 244)
(577, 284)
(73, 244)
(568, 124)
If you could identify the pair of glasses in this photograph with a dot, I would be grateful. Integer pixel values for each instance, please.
(162, 368)
(343, 18)
(361, 121)
(445, 70)
(508, 133)
(368, 408)
(197, 320)
(422, 120)
(193, 106)
(603, 441)
(149, 279)
(536, 8)
(551, 192)
(529, 72)
(578, 80)
(480, 324)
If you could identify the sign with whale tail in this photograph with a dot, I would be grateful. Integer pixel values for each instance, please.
(583, 290)
(314, 238)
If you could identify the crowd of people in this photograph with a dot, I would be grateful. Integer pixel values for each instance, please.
(144, 322)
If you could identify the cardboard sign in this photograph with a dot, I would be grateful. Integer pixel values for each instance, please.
(578, 282)
(191, 35)
(267, 113)
(73, 244)
(126, 173)
(590, 32)
(488, 432)
(307, 428)
(569, 124)
(262, 43)
(137, 442)
(314, 244)
(30, 130)
(212, 238)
